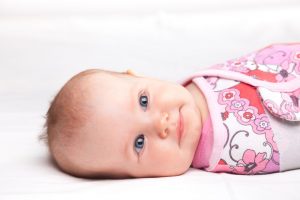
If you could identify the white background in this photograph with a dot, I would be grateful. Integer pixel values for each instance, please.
(45, 42)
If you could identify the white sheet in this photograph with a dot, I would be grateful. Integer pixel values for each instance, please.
(42, 48)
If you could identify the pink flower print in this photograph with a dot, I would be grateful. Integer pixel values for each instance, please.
(246, 116)
(226, 96)
(251, 163)
(261, 124)
(237, 105)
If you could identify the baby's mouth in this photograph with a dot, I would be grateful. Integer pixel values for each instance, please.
(180, 126)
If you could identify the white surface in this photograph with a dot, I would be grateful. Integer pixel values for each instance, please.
(100, 7)
(42, 47)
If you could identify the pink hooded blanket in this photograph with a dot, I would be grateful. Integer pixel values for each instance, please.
(254, 105)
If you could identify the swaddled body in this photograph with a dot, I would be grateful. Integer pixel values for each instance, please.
(254, 106)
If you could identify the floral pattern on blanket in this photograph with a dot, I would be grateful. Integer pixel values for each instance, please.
(275, 63)
(250, 147)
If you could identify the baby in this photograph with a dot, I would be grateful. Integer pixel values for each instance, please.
(241, 116)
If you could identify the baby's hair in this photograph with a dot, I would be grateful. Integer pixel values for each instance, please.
(65, 117)
(51, 117)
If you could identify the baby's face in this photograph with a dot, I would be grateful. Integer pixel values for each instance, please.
(139, 127)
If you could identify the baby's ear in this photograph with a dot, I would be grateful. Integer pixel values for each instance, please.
(130, 72)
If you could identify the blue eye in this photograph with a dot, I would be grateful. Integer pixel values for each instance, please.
(139, 143)
(143, 101)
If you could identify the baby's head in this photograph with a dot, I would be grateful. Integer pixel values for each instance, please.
(109, 124)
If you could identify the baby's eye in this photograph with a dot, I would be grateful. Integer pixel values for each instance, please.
(144, 101)
(139, 143)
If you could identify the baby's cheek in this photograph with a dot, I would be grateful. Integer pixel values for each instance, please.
(174, 158)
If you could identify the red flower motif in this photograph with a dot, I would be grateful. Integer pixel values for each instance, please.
(247, 115)
(297, 56)
(225, 115)
(228, 95)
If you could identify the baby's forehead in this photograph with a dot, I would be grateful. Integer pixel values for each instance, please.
(106, 93)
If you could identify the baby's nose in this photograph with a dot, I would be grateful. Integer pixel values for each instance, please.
(162, 125)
